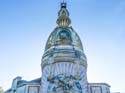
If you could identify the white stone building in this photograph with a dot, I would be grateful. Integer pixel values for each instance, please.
(64, 64)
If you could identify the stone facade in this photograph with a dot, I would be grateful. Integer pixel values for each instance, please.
(98, 88)
(63, 65)
(22, 86)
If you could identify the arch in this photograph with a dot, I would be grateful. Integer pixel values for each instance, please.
(64, 38)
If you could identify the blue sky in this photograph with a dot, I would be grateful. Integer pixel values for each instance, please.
(26, 24)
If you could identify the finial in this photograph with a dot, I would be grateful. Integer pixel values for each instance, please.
(63, 5)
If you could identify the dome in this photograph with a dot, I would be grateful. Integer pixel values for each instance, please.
(63, 44)
(64, 36)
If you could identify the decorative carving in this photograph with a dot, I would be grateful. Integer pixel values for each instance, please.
(64, 84)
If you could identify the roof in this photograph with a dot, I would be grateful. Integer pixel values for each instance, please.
(24, 82)
(99, 84)
(32, 82)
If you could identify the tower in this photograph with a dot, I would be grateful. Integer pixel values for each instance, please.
(64, 63)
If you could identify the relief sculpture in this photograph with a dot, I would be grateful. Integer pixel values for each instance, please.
(64, 84)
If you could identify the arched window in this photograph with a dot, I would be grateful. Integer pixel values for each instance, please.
(64, 37)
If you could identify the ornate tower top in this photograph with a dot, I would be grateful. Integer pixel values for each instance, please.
(64, 35)
(63, 44)
(63, 16)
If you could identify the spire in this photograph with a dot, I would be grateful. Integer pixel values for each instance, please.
(63, 5)
(63, 16)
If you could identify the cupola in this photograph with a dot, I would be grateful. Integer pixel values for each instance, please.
(64, 35)
(63, 16)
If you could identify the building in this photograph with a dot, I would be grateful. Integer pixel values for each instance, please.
(63, 65)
